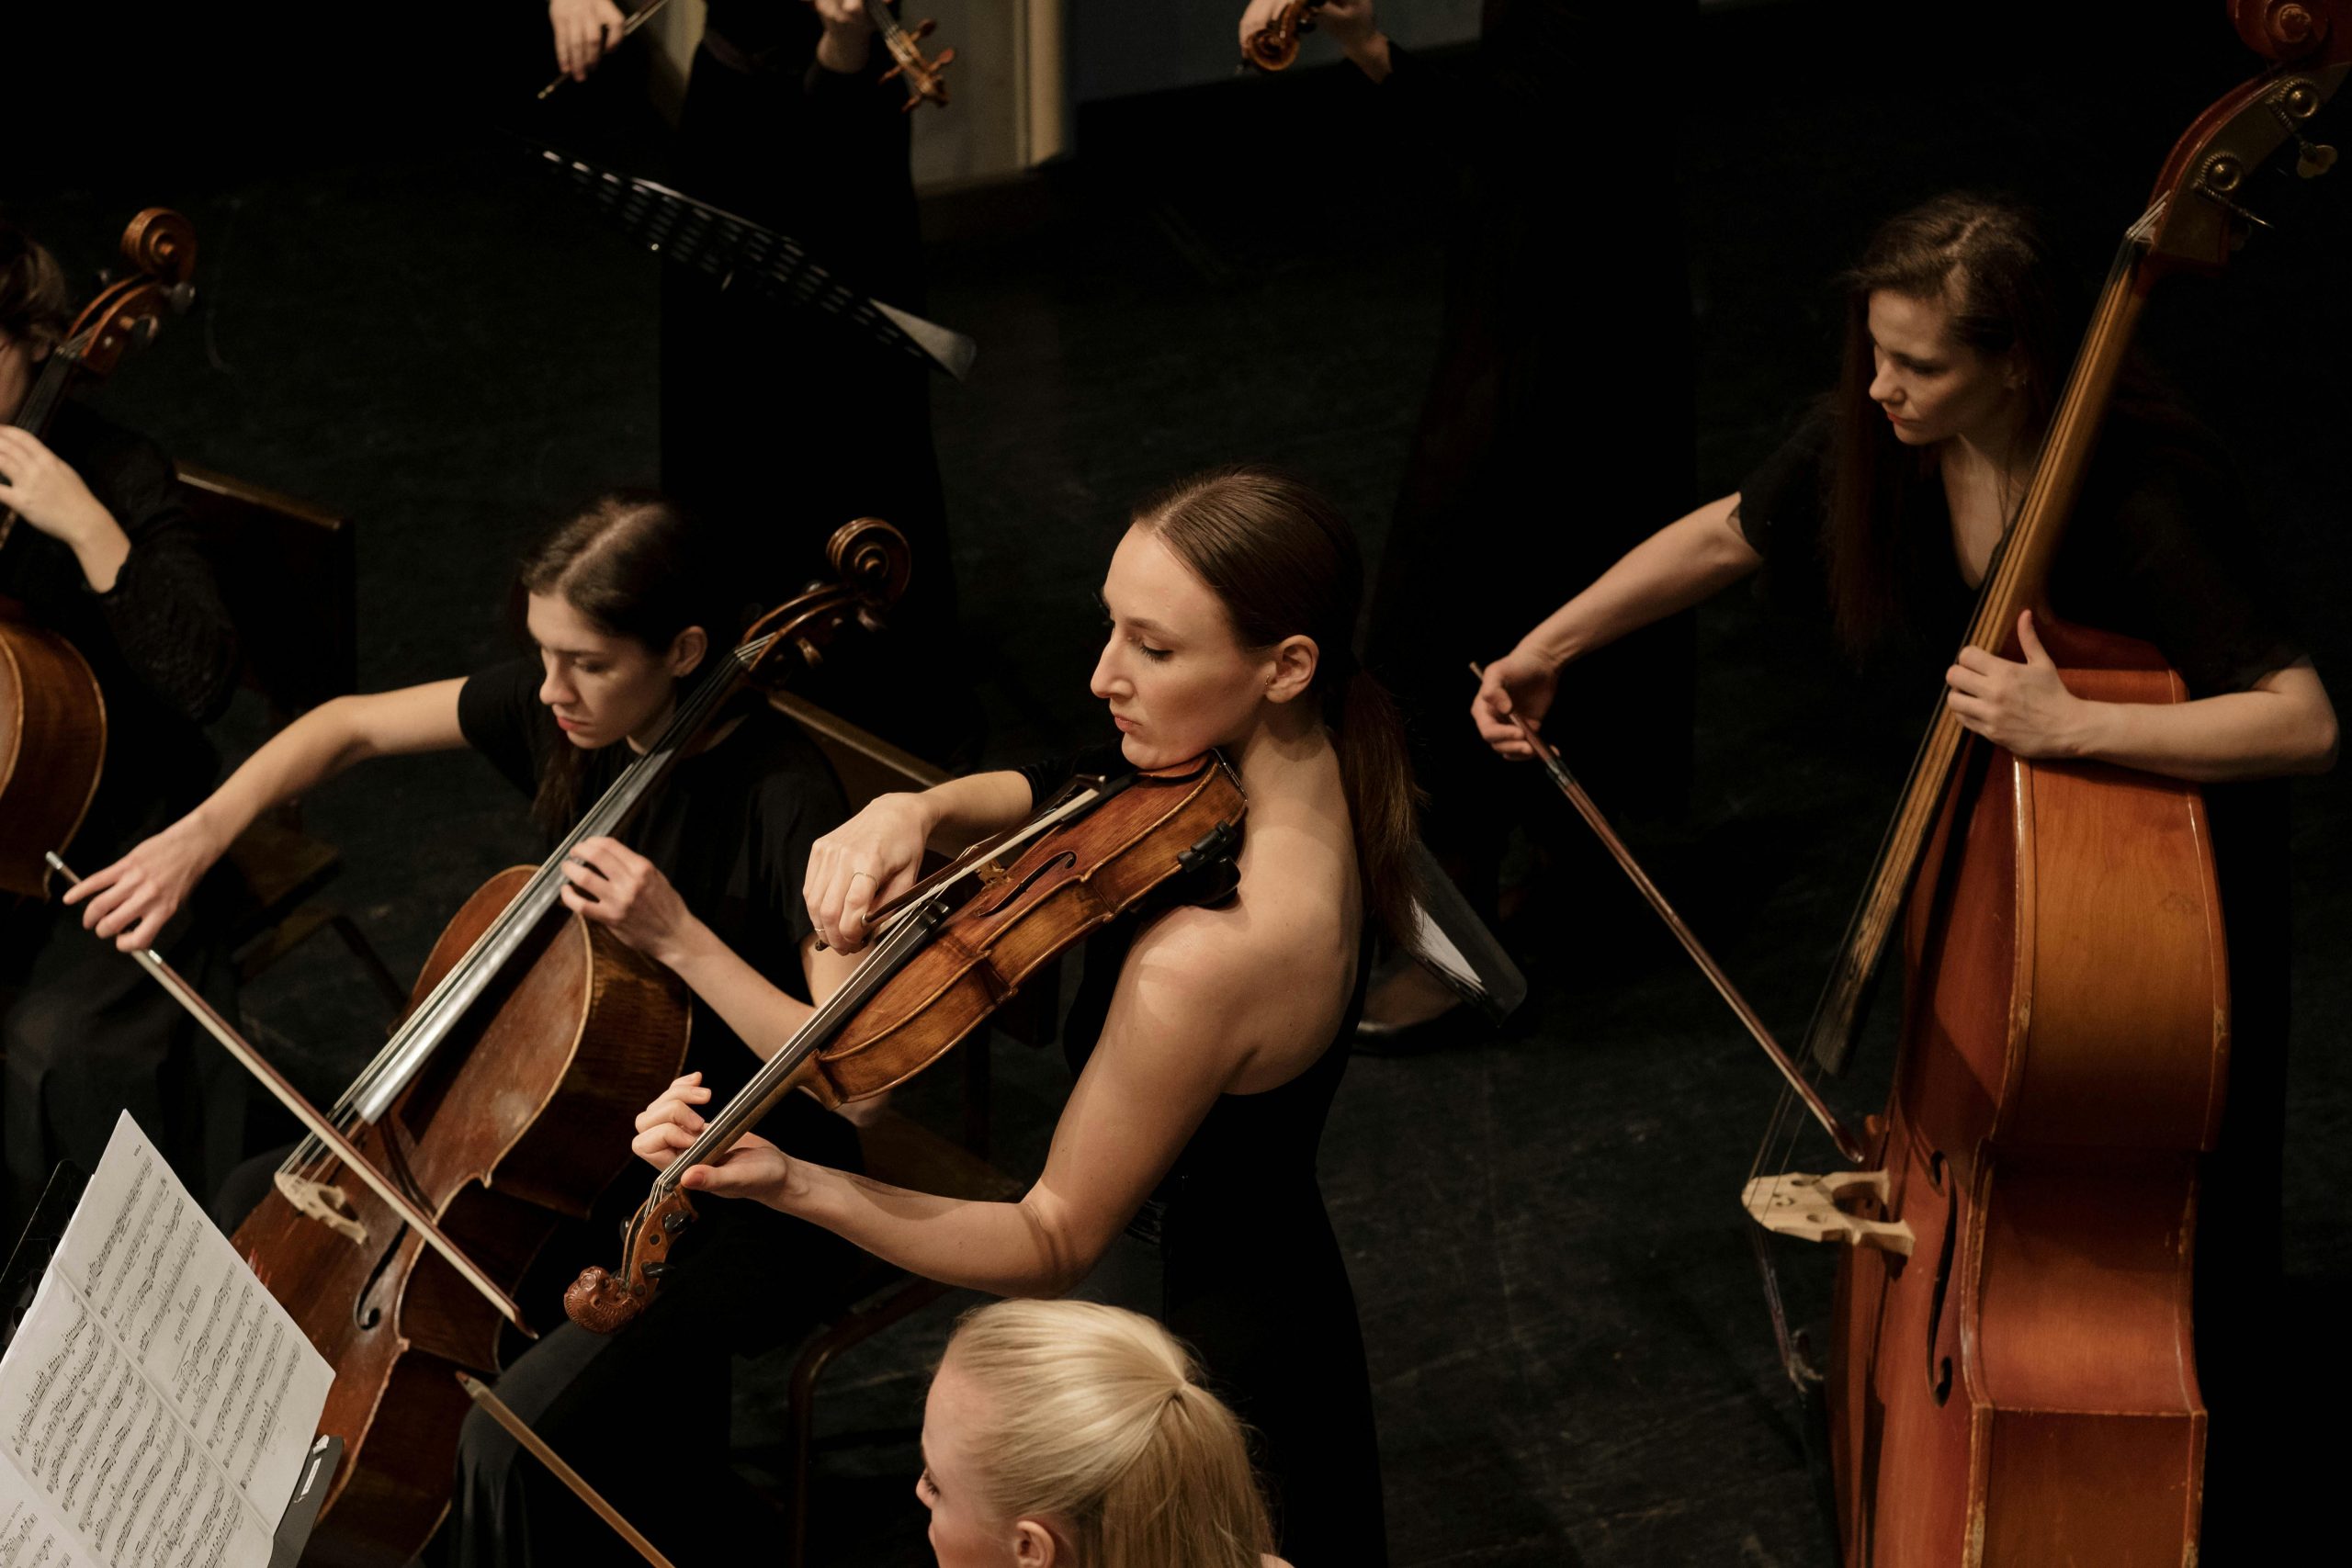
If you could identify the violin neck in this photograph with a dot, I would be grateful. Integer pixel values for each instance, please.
(2020, 572)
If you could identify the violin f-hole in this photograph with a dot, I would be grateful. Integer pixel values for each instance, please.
(1067, 858)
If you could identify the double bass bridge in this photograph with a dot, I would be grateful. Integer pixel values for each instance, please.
(325, 1203)
(1818, 1208)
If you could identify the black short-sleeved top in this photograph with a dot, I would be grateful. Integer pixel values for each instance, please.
(2153, 550)
(730, 828)
(160, 640)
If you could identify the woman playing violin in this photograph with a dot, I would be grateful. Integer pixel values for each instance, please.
(1207, 1040)
(624, 603)
(1882, 515)
(104, 555)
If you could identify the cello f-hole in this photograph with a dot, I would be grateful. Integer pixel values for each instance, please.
(362, 1313)
(1940, 1365)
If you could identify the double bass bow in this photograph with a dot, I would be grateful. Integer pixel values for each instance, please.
(945, 953)
(531, 1040)
(52, 715)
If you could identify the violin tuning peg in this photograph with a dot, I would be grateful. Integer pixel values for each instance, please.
(894, 71)
(946, 57)
(922, 29)
(868, 619)
(808, 651)
(2315, 159)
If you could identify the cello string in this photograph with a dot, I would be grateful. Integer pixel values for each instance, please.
(530, 902)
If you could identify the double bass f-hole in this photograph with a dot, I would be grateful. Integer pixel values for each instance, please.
(1939, 1364)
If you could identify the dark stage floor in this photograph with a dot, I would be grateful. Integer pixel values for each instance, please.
(1569, 1348)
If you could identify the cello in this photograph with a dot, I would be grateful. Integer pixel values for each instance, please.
(531, 1039)
(52, 715)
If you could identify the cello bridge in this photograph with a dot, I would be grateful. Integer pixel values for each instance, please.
(323, 1202)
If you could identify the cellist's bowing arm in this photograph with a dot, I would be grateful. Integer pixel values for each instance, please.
(1178, 1033)
(2284, 723)
(612, 885)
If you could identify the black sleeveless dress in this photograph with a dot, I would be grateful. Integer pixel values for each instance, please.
(1235, 1254)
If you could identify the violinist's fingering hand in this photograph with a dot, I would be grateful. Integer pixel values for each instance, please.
(586, 31)
(667, 1128)
(607, 882)
(1517, 687)
(2022, 706)
(865, 862)
(849, 33)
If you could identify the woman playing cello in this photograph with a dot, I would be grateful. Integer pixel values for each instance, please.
(1882, 515)
(624, 601)
(1207, 1041)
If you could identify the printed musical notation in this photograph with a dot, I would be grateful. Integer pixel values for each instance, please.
(156, 1404)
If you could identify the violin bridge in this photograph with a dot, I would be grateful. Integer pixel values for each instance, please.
(1815, 1208)
(322, 1202)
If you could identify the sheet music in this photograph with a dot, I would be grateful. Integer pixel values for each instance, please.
(156, 1404)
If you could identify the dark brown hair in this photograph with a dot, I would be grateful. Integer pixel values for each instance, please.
(1983, 259)
(1285, 563)
(35, 307)
(633, 563)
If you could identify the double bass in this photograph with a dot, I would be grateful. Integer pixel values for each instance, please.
(52, 715)
(2012, 1374)
(500, 1108)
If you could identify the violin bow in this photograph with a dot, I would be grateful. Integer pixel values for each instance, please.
(254, 1061)
(1848, 1144)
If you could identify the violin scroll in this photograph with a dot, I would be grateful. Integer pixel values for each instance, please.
(1275, 46)
(2286, 30)
(160, 249)
(602, 1303)
(925, 76)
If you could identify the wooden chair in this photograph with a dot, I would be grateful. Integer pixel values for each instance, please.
(290, 576)
(897, 1149)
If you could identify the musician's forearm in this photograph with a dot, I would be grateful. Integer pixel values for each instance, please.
(2238, 735)
(1001, 1248)
(964, 810)
(763, 1016)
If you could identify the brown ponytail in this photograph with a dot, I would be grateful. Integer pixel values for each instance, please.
(632, 563)
(1286, 563)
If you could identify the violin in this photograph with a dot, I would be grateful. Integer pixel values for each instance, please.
(924, 76)
(1275, 46)
(946, 955)
(500, 1106)
(52, 715)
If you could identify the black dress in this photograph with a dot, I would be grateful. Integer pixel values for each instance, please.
(1234, 1253)
(2152, 553)
(643, 1413)
(87, 1033)
(783, 424)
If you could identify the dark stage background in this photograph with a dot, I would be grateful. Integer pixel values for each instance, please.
(403, 324)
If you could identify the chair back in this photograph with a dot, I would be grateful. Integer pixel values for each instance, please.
(289, 576)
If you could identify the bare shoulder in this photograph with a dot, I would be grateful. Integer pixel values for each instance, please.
(1231, 953)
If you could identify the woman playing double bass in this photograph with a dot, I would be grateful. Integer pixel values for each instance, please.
(1883, 512)
(625, 601)
(1207, 1041)
(104, 555)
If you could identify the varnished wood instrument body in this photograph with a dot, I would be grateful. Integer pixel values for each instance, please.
(52, 744)
(517, 1123)
(2021, 1389)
